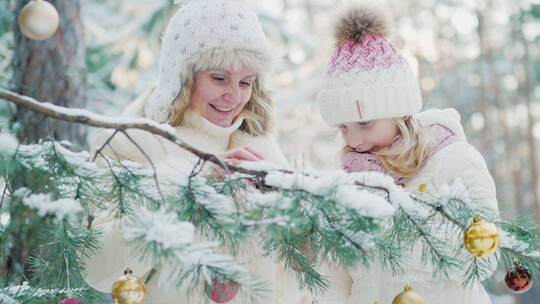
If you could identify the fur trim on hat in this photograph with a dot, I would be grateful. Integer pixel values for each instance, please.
(231, 59)
(362, 20)
(206, 34)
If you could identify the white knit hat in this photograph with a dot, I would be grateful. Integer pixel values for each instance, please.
(367, 78)
(198, 31)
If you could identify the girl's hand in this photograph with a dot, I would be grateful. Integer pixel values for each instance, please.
(361, 162)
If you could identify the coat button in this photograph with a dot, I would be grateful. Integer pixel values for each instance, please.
(422, 188)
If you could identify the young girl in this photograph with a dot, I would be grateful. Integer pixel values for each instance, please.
(373, 97)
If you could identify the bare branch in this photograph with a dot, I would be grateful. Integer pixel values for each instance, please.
(98, 151)
(85, 117)
(149, 161)
(111, 122)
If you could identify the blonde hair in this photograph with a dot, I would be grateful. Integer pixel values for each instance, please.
(409, 152)
(257, 113)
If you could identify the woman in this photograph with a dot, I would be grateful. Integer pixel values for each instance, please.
(212, 70)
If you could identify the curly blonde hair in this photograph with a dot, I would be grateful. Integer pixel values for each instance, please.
(257, 113)
(409, 152)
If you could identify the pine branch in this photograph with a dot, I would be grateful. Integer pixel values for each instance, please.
(207, 210)
(328, 218)
(344, 235)
(439, 210)
(337, 224)
(522, 256)
(119, 184)
(170, 241)
(149, 161)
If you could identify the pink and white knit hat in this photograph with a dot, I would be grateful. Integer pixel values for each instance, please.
(368, 78)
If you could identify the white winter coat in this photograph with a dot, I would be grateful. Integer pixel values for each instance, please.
(456, 160)
(108, 264)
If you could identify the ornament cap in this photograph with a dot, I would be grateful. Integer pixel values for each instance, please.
(517, 262)
(408, 296)
(477, 219)
(128, 289)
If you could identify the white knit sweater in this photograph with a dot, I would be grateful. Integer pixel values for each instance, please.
(456, 160)
(106, 266)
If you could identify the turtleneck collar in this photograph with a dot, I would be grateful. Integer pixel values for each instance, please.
(215, 133)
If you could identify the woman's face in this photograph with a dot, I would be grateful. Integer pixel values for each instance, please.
(220, 95)
(370, 136)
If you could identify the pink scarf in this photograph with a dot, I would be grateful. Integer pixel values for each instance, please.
(365, 162)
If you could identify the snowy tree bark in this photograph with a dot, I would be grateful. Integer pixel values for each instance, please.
(52, 70)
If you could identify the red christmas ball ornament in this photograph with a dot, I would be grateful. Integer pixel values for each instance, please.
(222, 290)
(518, 278)
(70, 301)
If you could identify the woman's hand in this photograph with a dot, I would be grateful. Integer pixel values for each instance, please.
(242, 154)
(234, 157)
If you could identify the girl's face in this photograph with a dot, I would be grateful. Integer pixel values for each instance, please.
(370, 136)
(219, 96)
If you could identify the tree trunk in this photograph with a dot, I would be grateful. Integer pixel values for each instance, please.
(489, 132)
(482, 102)
(54, 71)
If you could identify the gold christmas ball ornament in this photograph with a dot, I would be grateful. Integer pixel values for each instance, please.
(128, 289)
(408, 296)
(39, 20)
(481, 238)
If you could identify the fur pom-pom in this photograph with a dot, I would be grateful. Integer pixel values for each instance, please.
(358, 21)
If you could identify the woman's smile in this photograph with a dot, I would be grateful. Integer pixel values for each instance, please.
(221, 110)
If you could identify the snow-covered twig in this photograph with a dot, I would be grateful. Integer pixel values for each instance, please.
(121, 124)
(20, 290)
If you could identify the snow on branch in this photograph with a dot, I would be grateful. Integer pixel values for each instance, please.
(117, 123)
(87, 117)
(25, 289)
(46, 206)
